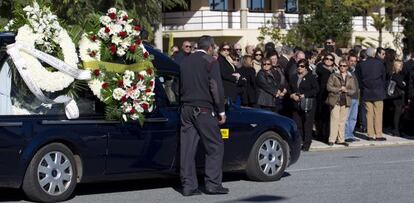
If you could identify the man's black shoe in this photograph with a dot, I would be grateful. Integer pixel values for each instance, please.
(381, 139)
(330, 143)
(187, 193)
(220, 190)
(349, 140)
(371, 139)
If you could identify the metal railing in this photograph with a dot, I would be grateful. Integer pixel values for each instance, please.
(219, 20)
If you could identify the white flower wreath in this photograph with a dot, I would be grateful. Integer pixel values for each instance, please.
(45, 79)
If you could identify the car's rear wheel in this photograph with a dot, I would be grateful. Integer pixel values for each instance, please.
(268, 158)
(51, 175)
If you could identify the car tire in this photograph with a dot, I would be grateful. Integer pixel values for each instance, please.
(268, 158)
(51, 175)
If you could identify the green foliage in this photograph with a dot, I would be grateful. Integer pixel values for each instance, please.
(406, 8)
(328, 18)
(271, 30)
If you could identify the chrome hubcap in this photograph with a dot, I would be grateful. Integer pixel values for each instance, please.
(54, 173)
(270, 157)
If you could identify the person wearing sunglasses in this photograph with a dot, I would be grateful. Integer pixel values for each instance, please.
(183, 53)
(267, 87)
(303, 89)
(341, 85)
(257, 60)
(323, 71)
(280, 79)
(330, 42)
(228, 71)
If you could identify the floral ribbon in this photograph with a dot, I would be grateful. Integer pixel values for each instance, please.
(117, 68)
(71, 108)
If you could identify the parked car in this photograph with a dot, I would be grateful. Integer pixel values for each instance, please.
(47, 155)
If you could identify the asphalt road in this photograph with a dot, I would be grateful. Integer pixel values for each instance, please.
(352, 175)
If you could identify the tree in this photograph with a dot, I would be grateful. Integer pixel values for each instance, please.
(363, 7)
(406, 8)
(380, 22)
(78, 12)
(326, 18)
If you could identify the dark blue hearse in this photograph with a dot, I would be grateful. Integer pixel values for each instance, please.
(47, 155)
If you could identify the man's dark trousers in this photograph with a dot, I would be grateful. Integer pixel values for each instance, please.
(196, 124)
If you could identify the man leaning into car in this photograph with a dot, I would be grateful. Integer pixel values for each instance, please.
(202, 96)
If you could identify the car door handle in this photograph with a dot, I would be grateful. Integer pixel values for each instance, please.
(11, 124)
(156, 120)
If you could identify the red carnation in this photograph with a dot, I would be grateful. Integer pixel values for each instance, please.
(132, 111)
(144, 106)
(138, 41)
(120, 83)
(151, 83)
(132, 48)
(137, 28)
(123, 99)
(149, 70)
(93, 37)
(113, 48)
(122, 34)
(92, 53)
(105, 85)
(146, 55)
(107, 30)
(139, 77)
(96, 72)
(125, 18)
(148, 90)
(112, 15)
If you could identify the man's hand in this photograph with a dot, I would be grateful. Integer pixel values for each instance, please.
(221, 119)
(237, 75)
(343, 89)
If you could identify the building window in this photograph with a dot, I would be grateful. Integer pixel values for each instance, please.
(218, 5)
(256, 5)
(291, 6)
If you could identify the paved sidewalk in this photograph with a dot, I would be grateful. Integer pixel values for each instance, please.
(391, 140)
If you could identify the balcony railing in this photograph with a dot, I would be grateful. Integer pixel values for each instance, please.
(219, 20)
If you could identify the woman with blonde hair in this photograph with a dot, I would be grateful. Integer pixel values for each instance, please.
(248, 96)
(340, 87)
(395, 92)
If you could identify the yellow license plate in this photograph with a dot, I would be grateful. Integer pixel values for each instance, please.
(224, 133)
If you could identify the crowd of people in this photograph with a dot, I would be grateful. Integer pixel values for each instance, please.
(326, 92)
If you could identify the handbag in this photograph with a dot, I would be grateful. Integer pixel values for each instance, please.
(391, 87)
(306, 104)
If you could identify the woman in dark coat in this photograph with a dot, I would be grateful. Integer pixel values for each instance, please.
(397, 96)
(304, 87)
(228, 72)
(249, 74)
(267, 89)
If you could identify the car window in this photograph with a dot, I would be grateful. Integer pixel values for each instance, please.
(16, 98)
(170, 84)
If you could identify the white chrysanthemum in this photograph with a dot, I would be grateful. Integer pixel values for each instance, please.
(85, 46)
(116, 40)
(102, 34)
(125, 43)
(112, 10)
(120, 52)
(126, 107)
(122, 13)
(105, 20)
(115, 29)
(118, 93)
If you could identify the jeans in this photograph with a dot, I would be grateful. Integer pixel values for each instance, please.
(352, 120)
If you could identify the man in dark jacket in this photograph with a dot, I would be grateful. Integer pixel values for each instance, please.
(185, 51)
(202, 98)
(372, 78)
(285, 56)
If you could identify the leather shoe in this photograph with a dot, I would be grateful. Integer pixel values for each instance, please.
(220, 190)
(371, 139)
(187, 193)
(381, 139)
(349, 140)
(330, 143)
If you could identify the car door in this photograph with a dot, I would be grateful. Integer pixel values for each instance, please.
(134, 148)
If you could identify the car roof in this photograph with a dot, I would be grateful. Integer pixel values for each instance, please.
(161, 61)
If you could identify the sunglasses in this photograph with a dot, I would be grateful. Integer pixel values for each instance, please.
(267, 64)
(258, 54)
(343, 65)
(187, 46)
(238, 49)
(328, 43)
(331, 59)
(301, 66)
(225, 49)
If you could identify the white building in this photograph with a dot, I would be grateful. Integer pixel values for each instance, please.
(239, 20)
